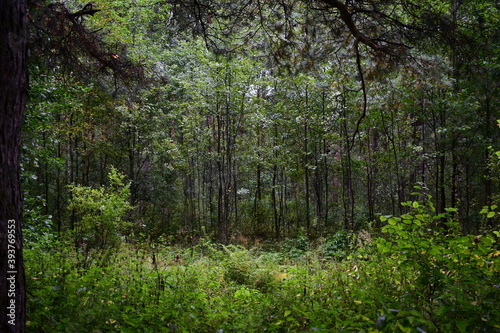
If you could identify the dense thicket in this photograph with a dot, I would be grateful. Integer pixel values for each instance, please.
(289, 124)
(353, 142)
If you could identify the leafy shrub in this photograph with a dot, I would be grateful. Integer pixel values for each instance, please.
(244, 268)
(296, 247)
(337, 247)
(415, 280)
(100, 212)
(450, 277)
(37, 227)
(238, 264)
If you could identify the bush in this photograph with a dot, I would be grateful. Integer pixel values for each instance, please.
(296, 247)
(451, 278)
(417, 278)
(337, 247)
(100, 213)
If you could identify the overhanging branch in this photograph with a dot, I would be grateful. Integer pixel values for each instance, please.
(346, 17)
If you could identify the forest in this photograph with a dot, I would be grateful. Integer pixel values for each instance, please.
(260, 166)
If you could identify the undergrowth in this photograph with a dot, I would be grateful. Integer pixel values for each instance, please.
(414, 278)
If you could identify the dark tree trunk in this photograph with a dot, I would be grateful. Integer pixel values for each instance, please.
(13, 91)
(275, 203)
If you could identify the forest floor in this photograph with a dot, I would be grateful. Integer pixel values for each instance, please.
(339, 284)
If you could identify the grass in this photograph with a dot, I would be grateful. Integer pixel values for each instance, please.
(329, 287)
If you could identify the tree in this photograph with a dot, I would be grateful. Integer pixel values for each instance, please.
(13, 92)
(314, 115)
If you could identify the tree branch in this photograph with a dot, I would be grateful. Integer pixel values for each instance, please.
(363, 88)
(346, 16)
(86, 10)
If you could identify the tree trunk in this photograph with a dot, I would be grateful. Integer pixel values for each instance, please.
(13, 91)
(306, 172)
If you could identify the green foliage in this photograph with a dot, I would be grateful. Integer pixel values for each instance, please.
(401, 288)
(490, 212)
(37, 227)
(269, 137)
(337, 246)
(100, 211)
(296, 247)
(450, 278)
(265, 141)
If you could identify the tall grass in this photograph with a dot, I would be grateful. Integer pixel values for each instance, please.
(329, 287)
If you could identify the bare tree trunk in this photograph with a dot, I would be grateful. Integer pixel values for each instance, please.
(306, 167)
(326, 180)
(221, 204)
(347, 190)
(13, 92)
(274, 184)
(275, 203)
(370, 195)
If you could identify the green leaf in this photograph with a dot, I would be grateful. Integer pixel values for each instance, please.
(389, 229)
(392, 221)
(490, 214)
(435, 250)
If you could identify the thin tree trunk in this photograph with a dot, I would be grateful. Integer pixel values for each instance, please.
(370, 197)
(326, 180)
(273, 191)
(488, 184)
(325, 165)
(306, 167)
(58, 207)
(275, 203)
(347, 190)
(221, 216)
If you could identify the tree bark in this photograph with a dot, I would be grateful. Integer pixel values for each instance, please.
(13, 92)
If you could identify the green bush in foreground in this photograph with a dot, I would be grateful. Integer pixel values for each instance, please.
(100, 224)
(452, 279)
(414, 279)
